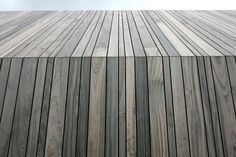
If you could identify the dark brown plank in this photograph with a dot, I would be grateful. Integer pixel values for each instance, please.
(9, 106)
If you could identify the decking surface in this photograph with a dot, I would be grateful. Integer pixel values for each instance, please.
(118, 84)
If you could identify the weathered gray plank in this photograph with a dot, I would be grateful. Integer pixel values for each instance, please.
(71, 115)
(131, 135)
(158, 127)
(96, 132)
(112, 108)
(9, 106)
(22, 114)
(4, 73)
(169, 108)
(225, 104)
(213, 107)
(142, 110)
(56, 117)
(45, 108)
(122, 107)
(84, 99)
(181, 123)
(36, 108)
(196, 121)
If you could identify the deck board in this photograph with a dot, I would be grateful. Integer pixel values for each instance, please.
(118, 83)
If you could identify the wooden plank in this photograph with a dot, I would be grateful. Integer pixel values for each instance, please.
(131, 135)
(158, 127)
(36, 108)
(102, 44)
(4, 73)
(9, 106)
(213, 107)
(79, 50)
(57, 45)
(225, 104)
(75, 38)
(207, 111)
(121, 36)
(169, 108)
(122, 107)
(196, 121)
(162, 38)
(112, 108)
(96, 132)
(82, 131)
(41, 142)
(142, 104)
(148, 44)
(181, 123)
(114, 37)
(57, 108)
(21, 122)
(232, 75)
(71, 115)
(135, 38)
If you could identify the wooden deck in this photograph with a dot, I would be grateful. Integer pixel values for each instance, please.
(118, 84)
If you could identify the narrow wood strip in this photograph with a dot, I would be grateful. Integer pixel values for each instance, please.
(57, 108)
(194, 108)
(142, 110)
(36, 108)
(131, 137)
(158, 127)
(72, 102)
(41, 142)
(181, 123)
(4, 73)
(170, 115)
(213, 107)
(225, 104)
(112, 108)
(207, 111)
(84, 99)
(9, 106)
(96, 132)
(122, 107)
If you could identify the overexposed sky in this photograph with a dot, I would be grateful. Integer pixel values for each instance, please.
(115, 4)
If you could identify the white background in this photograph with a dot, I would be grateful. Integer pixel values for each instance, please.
(115, 4)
